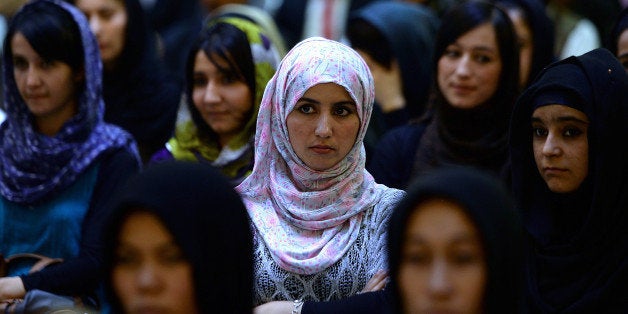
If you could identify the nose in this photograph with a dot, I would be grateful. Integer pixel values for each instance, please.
(212, 94)
(551, 146)
(323, 126)
(94, 25)
(32, 77)
(463, 66)
(440, 285)
(148, 279)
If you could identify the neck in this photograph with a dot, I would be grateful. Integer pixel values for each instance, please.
(50, 125)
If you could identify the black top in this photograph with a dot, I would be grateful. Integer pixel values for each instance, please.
(579, 243)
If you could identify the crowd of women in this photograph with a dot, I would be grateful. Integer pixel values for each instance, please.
(432, 163)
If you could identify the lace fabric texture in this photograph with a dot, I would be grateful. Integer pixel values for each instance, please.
(344, 278)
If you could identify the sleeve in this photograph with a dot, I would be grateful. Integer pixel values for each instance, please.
(391, 164)
(82, 274)
(380, 302)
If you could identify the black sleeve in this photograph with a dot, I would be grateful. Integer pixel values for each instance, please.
(81, 275)
(379, 302)
(394, 156)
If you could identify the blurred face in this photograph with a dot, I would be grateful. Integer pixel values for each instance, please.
(323, 126)
(108, 21)
(150, 274)
(47, 87)
(622, 49)
(442, 269)
(561, 146)
(388, 83)
(223, 100)
(469, 69)
(526, 45)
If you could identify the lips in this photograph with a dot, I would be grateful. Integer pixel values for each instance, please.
(462, 88)
(554, 171)
(322, 149)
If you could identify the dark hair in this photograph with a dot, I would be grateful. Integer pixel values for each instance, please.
(366, 37)
(225, 43)
(488, 204)
(51, 31)
(468, 15)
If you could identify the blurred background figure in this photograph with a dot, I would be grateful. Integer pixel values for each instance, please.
(575, 33)
(140, 94)
(456, 246)
(179, 241)
(476, 81)
(396, 39)
(619, 38)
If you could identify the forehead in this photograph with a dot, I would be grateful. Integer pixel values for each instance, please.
(556, 112)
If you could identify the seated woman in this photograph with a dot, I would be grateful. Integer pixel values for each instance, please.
(140, 94)
(395, 39)
(456, 246)
(179, 241)
(319, 218)
(570, 182)
(476, 81)
(227, 71)
(59, 162)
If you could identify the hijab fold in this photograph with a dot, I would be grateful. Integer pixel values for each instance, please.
(309, 218)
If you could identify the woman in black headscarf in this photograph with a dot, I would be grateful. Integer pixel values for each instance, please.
(492, 237)
(205, 243)
(570, 182)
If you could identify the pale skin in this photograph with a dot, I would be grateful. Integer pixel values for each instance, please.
(388, 84)
(561, 147)
(526, 44)
(107, 20)
(470, 67)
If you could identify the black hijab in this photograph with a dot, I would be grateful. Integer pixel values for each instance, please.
(487, 202)
(579, 244)
(140, 96)
(478, 136)
(208, 221)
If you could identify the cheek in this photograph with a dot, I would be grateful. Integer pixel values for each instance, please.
(122, 283)
(181, 288)
(411, 285)
(472, 283)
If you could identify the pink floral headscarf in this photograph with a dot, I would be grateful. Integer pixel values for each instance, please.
(307, 218)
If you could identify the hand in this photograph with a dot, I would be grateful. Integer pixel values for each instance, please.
(11, 288)
(388, 87)
(274, 307)
(377, 282)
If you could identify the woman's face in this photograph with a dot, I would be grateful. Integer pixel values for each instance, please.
(107, 20)
(470, 67)
(526, 44)
(622, 49)
(323, 126)
(150, 273)
(443, 269)
(47, 87)
(561, 147)
(223, 100)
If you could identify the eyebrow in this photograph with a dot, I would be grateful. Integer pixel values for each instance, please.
(343, 102)
(562, 119)
(460, 238)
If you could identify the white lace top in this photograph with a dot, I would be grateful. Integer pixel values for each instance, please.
(344, 278)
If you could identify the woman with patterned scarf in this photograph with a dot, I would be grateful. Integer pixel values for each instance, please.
(319, 217)
(226, 73)
(59, 162)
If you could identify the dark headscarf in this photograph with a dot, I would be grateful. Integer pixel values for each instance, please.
(487, 203)
(35, 167)
(621, 24)
(139, 94)
(410, 31)
(478, 136)
(579, 243)
(208, 221)
(542, 40)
